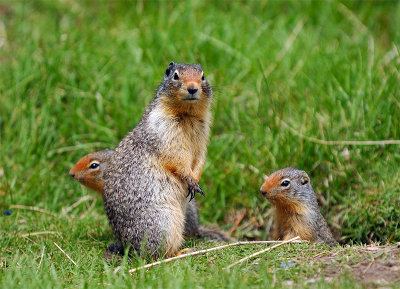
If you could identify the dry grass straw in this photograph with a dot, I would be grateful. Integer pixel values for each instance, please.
(39, 233)
(22, 207)
(215, 249)
(41, 259)
(262, 251)
(65, 254)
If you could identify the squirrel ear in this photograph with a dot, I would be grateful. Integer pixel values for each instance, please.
(304, 179)
(169, 68)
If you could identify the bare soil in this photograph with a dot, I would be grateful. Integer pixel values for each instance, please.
(372, 265)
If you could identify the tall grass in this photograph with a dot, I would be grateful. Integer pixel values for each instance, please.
(75, 76)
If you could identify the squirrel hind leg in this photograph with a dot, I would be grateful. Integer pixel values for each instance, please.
(192, 225)
(116, 248)
(331, 242)
(114, 252)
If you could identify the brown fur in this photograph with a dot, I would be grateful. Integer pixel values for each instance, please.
(184, 152)
(289, 225)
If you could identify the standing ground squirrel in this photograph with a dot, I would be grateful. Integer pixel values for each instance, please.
(89, 171)
(297, 212)
(159, 163)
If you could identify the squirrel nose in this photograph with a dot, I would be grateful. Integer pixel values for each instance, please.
(192, 90)
(263, 192)
(72, 175)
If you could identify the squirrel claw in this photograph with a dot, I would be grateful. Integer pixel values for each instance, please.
(201, 192)
(194, 188)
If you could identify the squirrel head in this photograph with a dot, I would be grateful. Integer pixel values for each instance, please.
(89, 170)
(289, 188)
(184, 86)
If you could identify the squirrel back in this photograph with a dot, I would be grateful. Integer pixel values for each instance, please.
(159, 163)
(297, 211)
(89, 171)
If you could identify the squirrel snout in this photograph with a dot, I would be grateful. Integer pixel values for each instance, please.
(72, 175)
(192, 93)
(264, 193)
(192, 90)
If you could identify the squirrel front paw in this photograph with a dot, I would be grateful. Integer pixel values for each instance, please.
(193, 188)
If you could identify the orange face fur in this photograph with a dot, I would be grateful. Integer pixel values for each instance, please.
(275, 191)
(89, 170)
(270, 183)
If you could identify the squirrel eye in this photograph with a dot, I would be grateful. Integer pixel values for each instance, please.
(94, 165)
(285, 183)
(202, 77)
(176, 76)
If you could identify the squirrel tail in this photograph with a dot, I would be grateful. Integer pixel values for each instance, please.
(213, 234)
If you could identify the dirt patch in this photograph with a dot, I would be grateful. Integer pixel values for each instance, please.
(370, 265)
(381, 269)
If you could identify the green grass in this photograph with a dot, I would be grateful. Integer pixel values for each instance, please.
(75, 76)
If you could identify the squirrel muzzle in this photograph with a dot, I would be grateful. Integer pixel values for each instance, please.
(193, 93)
(264, 193)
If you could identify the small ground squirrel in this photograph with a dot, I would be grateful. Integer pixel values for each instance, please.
(297, 212)
(159, 163)
(89, 171)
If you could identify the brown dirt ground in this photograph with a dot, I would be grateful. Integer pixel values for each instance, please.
(370, 265)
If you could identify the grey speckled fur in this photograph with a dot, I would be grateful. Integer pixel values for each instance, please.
(144, 203)
(94, 179)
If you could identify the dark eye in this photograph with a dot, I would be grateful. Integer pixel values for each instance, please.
(285, 183)
(94, 165)
(176, 76)
(202, 77)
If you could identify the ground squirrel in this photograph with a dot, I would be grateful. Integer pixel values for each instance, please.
(89, 171)
(159, 163)
(297, 212)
